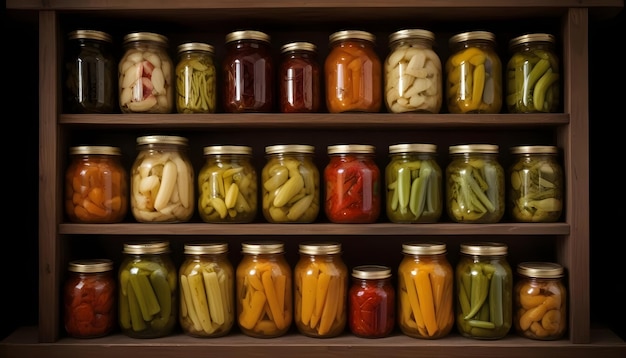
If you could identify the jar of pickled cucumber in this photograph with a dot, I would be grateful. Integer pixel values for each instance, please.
(475, 184)
(353, 73)
(146, 74)
(300, 78)
(413, 182)
(321, 281)
(162, 180)
(425, 287)
(372, 302)
(540, 301)
(96, 185)
(196, 79)
(413, 76)
(291, 184)
(484, 290)
(207, 288)
(536, 184)
(264, 290)
(474, 74)
(148, 290)
(227, 185)
(533, 82)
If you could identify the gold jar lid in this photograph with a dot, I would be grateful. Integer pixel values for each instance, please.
(371, 272)
(540, 269)
(141, 248)
(320, 248)
(162, 139)
(484, 248)
(206, 248)
(298, 46)
(145, 36)
(534, 149)
(263, 247)
(351, 35)
(91, 35)
(351, 148)
(289, 148)
(227, 149)
(419, 34)
(90, 265)
(474, 148)
(195, 46)
(412, 147)
(247, 35)
(473, 36)
(424, 248)
(95, 149)
(534, 38)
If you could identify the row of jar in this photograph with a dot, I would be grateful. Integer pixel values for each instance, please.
(410, 79)
(206, 296)
(162, 183)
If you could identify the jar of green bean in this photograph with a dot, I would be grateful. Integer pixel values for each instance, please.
(195, 78)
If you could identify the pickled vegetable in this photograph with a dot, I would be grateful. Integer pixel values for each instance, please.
(195, 79)
(372, 302)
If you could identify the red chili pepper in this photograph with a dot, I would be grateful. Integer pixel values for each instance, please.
(371, 311)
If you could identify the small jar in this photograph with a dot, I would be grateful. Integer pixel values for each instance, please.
(227, 185)
(353, 73)
(484, 290)
(475, 184)
(90, 73)
(248, 72)
(352, 184)
(299, 75)
(162, 183)
(89, 297)
(533, 76)
(540, 301)
(413, 77)
(96, 185)
(148, 290)
(291, 184)
(145, 74)
(536, 184)
(207, 288)
(196, 79)
(413, 182)
(321, 281)
(425, 287)
(474, 74)
(264, 290)
(372, 302)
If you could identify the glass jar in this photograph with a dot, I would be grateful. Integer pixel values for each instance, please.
(540, 301)
(299, 75)
(96, 185)
(413, 184)
(291, 184)
(321, 286)
(207, 288)
(196, 79)
(248, 72)
(162, 183)
(533, 77)
(264, 290)
(353, 73)
(227, 184)
(371, 302)
(425, 290)
(474, 74)
(484, 290)
(536, 184)
(352, 181)
(145, 74)
(475, 184)
(90, 74)
(413, 77)
(89, 298)
(148, 290)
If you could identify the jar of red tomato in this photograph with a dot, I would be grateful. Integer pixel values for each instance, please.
(299, 76)
(372, 302)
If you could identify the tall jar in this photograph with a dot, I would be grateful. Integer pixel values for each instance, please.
(248, 72)
(413, 182)
(196, 79)
(264, 290)
(96, 185)
(533, 83)
(425, 290)
(207, 288)
(321, 285)
(536, 184)
(540, 301)
(474, 74)
(372, 302)
(484, 290)
(291, 184)
(352, 184)
(89, 298)
(90, 73)
(148, 290)
(353, 73)
(227, 185)
(300, 78)
(162, 182)
(145, 74)
(413, 75)
(475, 184)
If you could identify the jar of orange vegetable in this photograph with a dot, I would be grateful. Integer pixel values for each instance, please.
(372, 302)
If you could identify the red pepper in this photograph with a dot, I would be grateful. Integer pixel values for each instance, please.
(371, 311)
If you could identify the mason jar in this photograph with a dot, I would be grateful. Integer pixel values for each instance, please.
(372, 302)
(300, 78)
(196, 78)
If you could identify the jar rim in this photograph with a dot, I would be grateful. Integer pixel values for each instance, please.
(227, 149)
(300, 45)
(201, 248)
(534, 149)
(537, 37)
(473, 35)
(195, 46)
(247, 35)
(474, 148)
(320, 248)
(351, 148)
(90, 34)
(412, 147)
(404, 34)
(371, 272)
(351, 35)
(95, 149)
